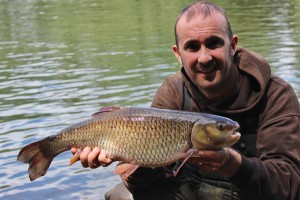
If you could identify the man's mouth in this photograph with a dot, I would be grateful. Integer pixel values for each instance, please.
(205, 70)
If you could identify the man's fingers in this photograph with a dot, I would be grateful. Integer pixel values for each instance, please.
(84, 157)
(213, 160)
(213, 155)
(74, 150)
(93, 158)
(225, 161)
(103, 158)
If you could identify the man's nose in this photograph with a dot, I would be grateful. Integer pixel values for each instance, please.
(204, 56)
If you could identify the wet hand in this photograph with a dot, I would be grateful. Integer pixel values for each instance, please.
(92, 158)
(226, 161)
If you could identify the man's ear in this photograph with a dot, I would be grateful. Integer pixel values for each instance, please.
(176, 53)
(234, 42)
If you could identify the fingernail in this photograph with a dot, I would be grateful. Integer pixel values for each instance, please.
(200, 152)
(86, 151)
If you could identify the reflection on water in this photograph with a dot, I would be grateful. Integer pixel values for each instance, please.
(60, 61)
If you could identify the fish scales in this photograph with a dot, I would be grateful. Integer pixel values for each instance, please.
(147, 137)
(133, 135)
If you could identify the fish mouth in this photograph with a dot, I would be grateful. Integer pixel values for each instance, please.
(235, 134)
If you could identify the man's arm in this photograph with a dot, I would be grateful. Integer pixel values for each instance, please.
(275, 173)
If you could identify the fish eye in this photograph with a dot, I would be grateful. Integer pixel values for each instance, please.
(220, 126)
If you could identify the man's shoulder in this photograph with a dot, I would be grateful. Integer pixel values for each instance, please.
(170, 93)
(174, 77)
(278, 85)
(255, 65)
(174, 80)
(278, 80)
(281, 93)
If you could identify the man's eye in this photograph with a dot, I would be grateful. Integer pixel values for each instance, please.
(192, 46)
(215, 43)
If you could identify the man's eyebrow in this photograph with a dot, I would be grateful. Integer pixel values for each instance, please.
(215, 38)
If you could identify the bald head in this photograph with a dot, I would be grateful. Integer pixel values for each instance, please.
(205, 9)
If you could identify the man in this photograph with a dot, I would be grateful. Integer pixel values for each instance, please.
(221, 78)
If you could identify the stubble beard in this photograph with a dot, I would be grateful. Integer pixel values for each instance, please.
(205, 80)
(214, 79)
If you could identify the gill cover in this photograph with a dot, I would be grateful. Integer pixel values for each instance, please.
(210, 135)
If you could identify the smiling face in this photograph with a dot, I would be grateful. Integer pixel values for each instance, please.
(206, 53)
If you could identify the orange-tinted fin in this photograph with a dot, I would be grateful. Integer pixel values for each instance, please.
(125, 170)
(107, 109)
(39, 162)
(189, 153)
(75, 157)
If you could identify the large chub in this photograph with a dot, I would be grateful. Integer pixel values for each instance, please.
(161, 136)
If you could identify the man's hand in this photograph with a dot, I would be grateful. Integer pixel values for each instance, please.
(226, 161)
(93, 158)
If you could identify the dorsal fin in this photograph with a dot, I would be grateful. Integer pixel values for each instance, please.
(107, 109)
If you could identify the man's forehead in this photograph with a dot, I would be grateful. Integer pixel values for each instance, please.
(200, 17)
(214, 22)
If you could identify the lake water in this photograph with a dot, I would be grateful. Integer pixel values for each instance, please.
(63, 60)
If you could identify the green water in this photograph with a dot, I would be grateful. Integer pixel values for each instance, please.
(60, 61)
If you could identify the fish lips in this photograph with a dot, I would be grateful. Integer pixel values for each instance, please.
(234, 135)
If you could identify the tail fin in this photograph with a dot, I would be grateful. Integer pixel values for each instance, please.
(39, 162)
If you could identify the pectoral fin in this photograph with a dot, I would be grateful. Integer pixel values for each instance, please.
(189, 153)
(125, 170)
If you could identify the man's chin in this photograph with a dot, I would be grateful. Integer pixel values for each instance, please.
(209, 86)
(208, 77)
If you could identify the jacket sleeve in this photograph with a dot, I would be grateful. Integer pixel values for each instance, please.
(275, 174)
